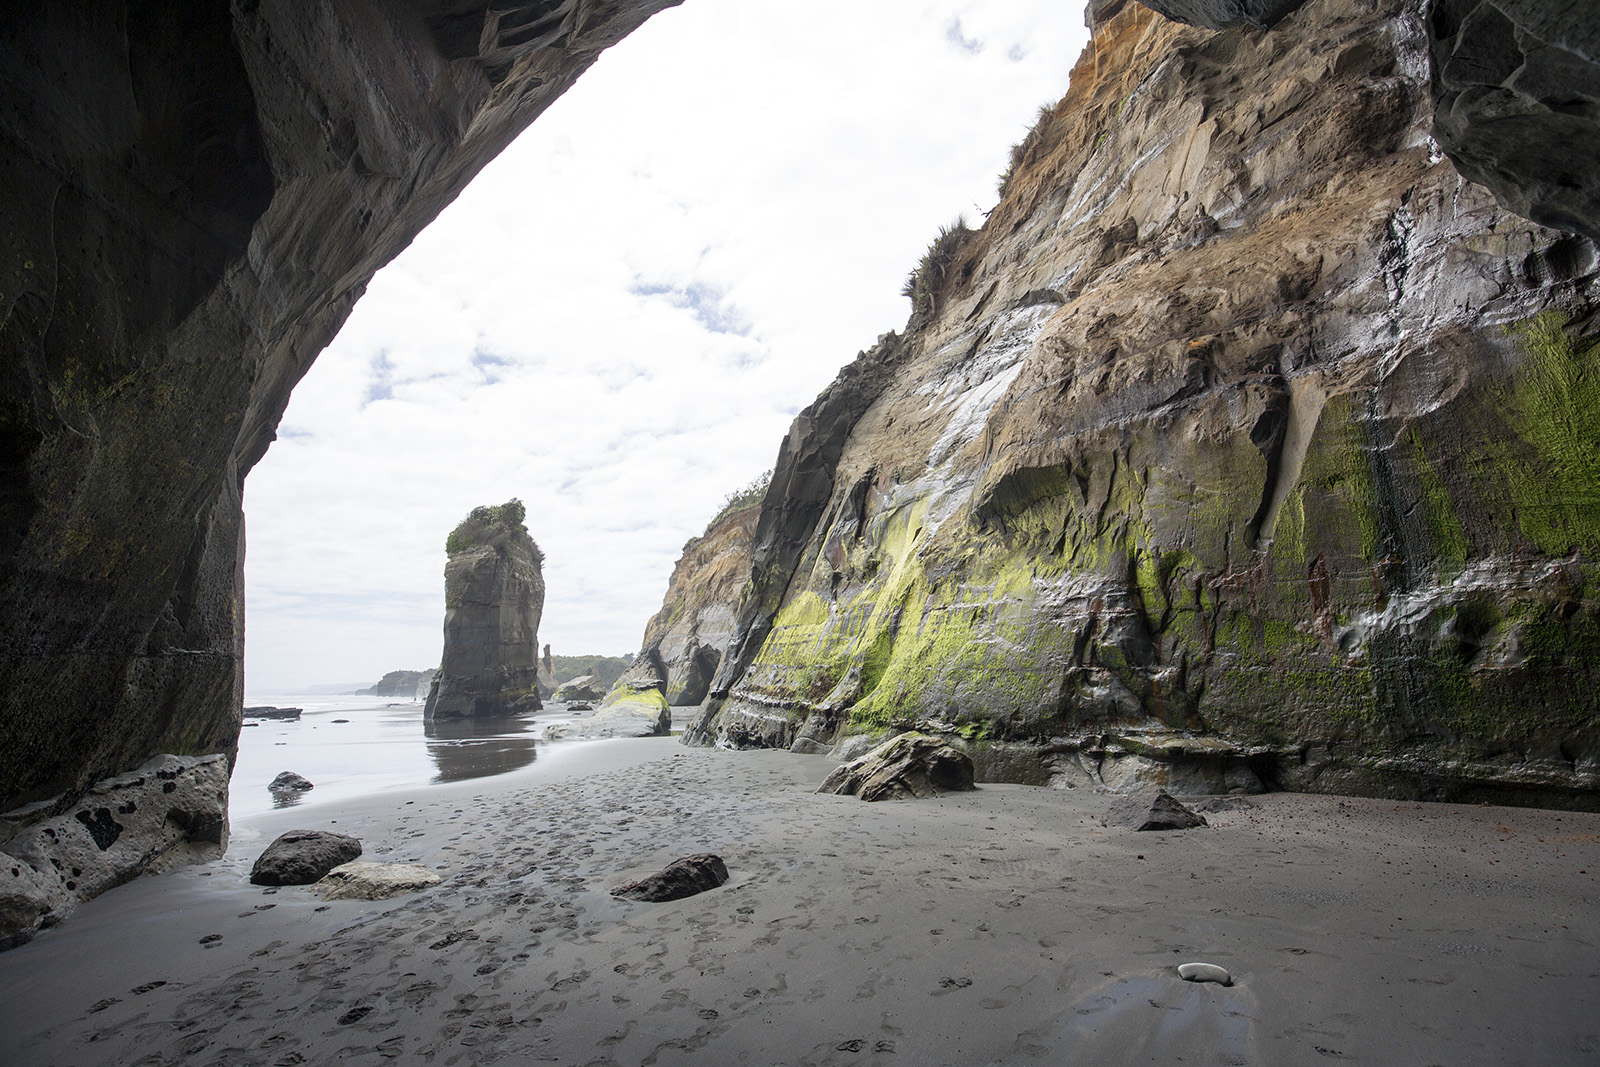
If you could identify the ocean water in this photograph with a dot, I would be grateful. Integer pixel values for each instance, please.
(349, 746)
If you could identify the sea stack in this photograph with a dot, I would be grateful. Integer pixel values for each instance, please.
(493, 597)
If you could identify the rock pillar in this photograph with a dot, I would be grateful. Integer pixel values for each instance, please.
(494, 595)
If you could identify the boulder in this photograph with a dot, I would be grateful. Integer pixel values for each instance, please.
(289, 782)
(1204, 972)
(375, 881)
(681, 878)
(626, 712)
(584, 687)
(1151, 809)
(911, 765)
(301, 857)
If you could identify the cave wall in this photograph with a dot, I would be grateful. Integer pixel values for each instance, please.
(197, 195)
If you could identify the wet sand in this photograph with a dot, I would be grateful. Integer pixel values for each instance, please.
(999, 926)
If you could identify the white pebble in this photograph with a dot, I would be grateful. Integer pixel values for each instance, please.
(1204, 972)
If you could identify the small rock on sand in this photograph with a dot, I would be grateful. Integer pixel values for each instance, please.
(681, 878)
(289, 782)
(301, 857)
(375, 881)
(1151, 809)
(1204, 972)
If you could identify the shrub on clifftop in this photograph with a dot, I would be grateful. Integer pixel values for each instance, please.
(490, 525)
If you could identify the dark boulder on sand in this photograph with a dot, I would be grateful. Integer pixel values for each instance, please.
(681, 878)
(290, 782)
(301, 857)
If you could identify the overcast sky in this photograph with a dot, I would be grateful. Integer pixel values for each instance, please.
(618, 319)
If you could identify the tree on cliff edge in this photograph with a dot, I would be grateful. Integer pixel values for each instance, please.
(493, 597)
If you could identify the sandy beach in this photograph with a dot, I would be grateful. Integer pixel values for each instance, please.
(994, 927)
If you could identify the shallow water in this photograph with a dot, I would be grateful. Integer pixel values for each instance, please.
(349, 746)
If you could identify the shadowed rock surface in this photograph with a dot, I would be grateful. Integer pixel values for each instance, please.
(1271, 455)
(681, 878)
(196, 195)
(1212, 14)
(1516, 93)
(493, 597)
(908, 767)
(1151, 809)
(300, 857)
(1516, 89)
(172, 810)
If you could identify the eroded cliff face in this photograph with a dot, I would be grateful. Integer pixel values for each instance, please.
(684, 642)
(1246, 444)
(493, 599)
(196, 195)
(1516, 93)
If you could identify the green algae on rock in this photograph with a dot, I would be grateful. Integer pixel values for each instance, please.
(1289, 482)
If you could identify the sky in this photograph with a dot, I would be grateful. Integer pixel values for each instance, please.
(618, 319)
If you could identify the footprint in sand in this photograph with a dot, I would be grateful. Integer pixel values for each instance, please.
(570, 982)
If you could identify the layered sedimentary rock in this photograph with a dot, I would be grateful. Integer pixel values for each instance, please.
(493, 597)
(1245, 435)
(196, 195)
(684, 641)
(1516, 92)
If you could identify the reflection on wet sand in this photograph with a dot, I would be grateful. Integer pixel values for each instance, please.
(476, 748)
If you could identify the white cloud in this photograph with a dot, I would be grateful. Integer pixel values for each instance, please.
(618, 319)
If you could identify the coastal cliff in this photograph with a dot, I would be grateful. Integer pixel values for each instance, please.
(1245, 445)
(493, 596)
(684, 641)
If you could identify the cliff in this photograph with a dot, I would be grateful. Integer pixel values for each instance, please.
(493, 596)
(195, 198)
(408, 684)
(1245, 445)
(684, 641)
